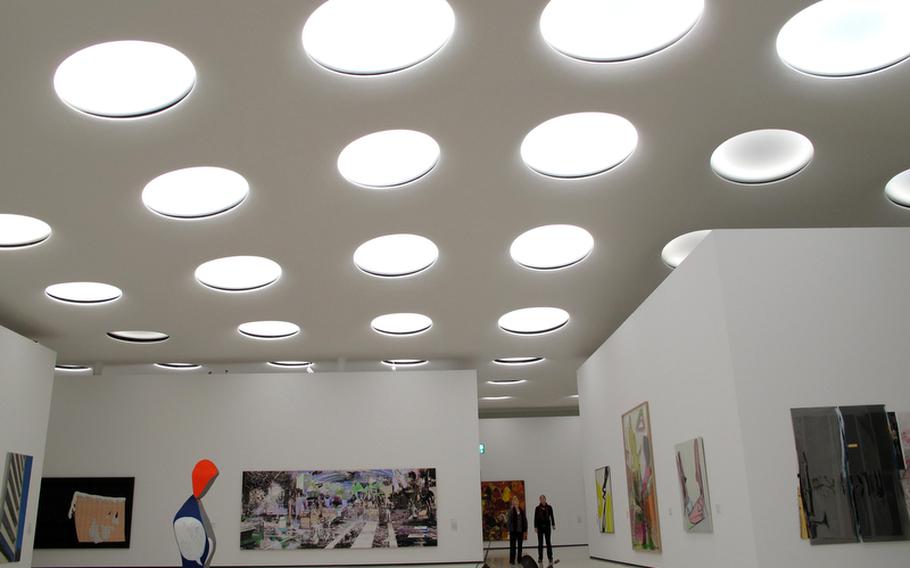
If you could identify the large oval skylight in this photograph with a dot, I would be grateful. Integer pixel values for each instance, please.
(138, 336)
(83, 292)
(579, 145)
(73, 368)
(388, 159)
(394, 363)
(551, 247)
(369, 37)
(394, 256)
(19, 231)
(506, 382)
(534, 321)
(616, 30)
(238, 273)
(269, 329)
(179, 366)
(518, 361)
(679, 248)
(121, 79)
(401, 324)
(762, 156)
(291, 364)
(898, 189)
(838, 38)
(192, 193)
(493, 398)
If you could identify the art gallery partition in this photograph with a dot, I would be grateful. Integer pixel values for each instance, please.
(752, 324)
(155, 428)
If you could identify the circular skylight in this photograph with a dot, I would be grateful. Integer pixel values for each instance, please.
(506, 382)
(839, 38)
(370, 37)
(898, 189)
(401, 324)
(518, 361)
(18, 231)
(83, 292)
(551, 247)
(73, 368)
(138, 336)
(269, 329)
(392, 256)
(492, 398)
(291, 364)
(178, 366)
(122, 79)
(404, 362)
(616, 30)
(762, 156)
(388, 159)
(192, 193)
(238, 273)
(579, 145)
(534, 321)
(679, 248)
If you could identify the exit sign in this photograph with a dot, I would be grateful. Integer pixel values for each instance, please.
(483, 449)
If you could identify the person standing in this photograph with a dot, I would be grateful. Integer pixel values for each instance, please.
(544, 524)
(518, 531)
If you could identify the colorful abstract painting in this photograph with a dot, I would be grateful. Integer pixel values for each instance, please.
(639, 453)
(496, 500)
(85, 512)
(17, 475)
(603, 489)
(693, 484)
(374, 508)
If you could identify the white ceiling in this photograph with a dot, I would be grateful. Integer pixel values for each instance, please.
(262, 108)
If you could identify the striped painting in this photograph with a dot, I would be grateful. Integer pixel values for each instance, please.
(17, 474)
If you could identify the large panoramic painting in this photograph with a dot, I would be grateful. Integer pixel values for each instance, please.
(603, 489)
(14, 485)
(373, 508)
(85, 512)
(496, 500)
(693, 485)
(639, 452)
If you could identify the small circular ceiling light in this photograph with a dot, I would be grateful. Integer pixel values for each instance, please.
(238, 273)
(269, 329)
(762, 156)
(579, 145)
(841, 38)
(616, 30)
(123, 79)
(138, 336)
(492, 398)
(388, 159)
(291, 364)
(73, 368)
(401, 324)
(404, 362)
(371, 37)
(534, 321)
(506, 382)
(898, 189)
(552, 247)
(195, 193)
(20, 231)
(518, 361)
(396, 256)
(679, 248)
(85, 293)
(178, 366)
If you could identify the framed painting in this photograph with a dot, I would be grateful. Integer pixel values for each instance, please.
(693, 485)
(639, 456)
(85, 512)
(17, 475)
(603, 489)
(496, 500)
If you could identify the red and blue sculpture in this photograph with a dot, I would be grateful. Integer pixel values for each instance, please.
(192, 529)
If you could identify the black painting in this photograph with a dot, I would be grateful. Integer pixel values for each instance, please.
(84, 512)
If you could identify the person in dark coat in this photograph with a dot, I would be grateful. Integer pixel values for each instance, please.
(518, 531)
(544, 524)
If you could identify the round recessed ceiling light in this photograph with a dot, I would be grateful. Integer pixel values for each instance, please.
(269, 329)
(20, 231)
(122, 79)
(238, 273)
(579, 145)
(370, 37)
(552, 247)
(138, 336)
(401, 324)
(517, 361)
(762, 156)
(72, 368)
(178, 366)
(388, 159)
(679, 248)
(404, 362)
(840, 38)
(616, 30)
(534, 321)
(85, 293)
(291, 364)
(898, 189)
(193, 193)
(506, 382)
(395, 256)
(495, 398)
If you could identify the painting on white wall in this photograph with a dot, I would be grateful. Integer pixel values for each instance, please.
(693, 485)
(603, 488)
(16, 478)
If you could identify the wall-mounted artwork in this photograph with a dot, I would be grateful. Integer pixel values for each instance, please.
(902, 432)
(373, 508)
(639, 453)
(84, 512)
(17, 475)
(192, 528)
(496, 500)
(693, 484)
(603, 489)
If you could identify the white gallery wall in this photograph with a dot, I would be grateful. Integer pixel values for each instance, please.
(545, 452)
(155, 428)
(26, 382)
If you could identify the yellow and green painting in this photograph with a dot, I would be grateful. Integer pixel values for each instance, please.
(603, 488)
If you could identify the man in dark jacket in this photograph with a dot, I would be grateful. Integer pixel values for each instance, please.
(518, 531)
(544, 524)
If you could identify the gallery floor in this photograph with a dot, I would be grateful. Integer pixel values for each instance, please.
(567, 557)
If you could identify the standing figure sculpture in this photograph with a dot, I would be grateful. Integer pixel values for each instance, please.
(195, 537)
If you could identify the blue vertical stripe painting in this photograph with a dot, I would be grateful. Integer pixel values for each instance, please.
(17, 475)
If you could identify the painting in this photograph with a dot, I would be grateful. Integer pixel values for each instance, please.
(496, 500)
(603, 489)
(17, 475)
(902, 433)
(639, 455)
(373, 508)
(84, 512)
(693, 485)
(192, 528)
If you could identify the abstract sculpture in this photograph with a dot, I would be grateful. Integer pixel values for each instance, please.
(192, 529)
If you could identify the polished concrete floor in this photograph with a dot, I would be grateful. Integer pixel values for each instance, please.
(568, 557)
